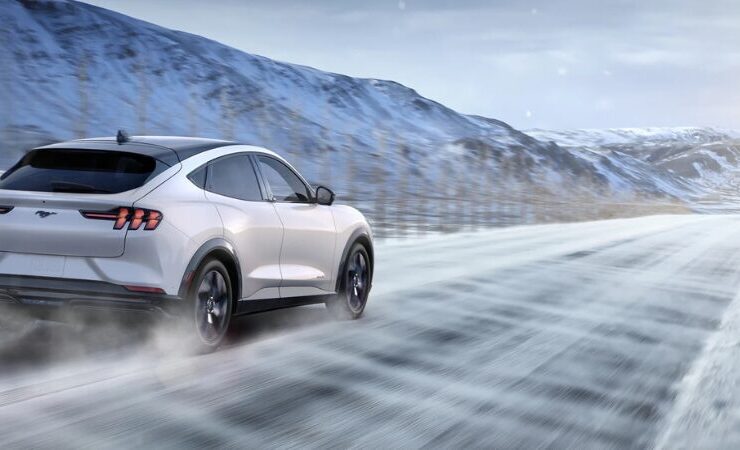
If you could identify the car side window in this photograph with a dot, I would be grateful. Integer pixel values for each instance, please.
(234, 176)
(198, 177)
(284, 183)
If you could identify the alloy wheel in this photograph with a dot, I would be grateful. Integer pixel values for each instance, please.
(357, 281)
(212, 307)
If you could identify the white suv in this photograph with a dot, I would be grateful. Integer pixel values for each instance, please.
(200, 228)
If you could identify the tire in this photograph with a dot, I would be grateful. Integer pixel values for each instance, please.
(209, 307)
(356, 279)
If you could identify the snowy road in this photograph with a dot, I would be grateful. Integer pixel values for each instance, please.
(615, 334)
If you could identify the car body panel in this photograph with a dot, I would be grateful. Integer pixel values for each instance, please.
(307, 255)
(255, 230)
(44, 223)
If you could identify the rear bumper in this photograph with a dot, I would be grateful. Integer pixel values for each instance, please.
(42, 296)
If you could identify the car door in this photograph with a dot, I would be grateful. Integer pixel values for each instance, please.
(309, 235)
(250, 221)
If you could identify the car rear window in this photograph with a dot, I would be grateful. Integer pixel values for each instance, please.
(81, 171)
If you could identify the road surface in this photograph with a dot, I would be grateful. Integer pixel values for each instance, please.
(612, 334)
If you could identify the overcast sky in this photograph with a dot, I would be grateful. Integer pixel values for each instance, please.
(538, 63)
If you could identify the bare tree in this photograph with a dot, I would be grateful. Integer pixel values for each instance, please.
(7, 66)
(296, 140)
(83, 86)
(444, 200)
(491, 191)
(422, 202)
(192, 108)
(262, 119)
(143, 103)
(351, 169)
(381, 199)
(401, 191)
(227, 113)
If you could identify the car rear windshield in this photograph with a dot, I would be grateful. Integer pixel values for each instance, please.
(81, 171)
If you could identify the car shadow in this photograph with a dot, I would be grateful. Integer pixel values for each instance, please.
(253, 327)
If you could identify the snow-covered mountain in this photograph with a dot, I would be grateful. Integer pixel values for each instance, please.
(71, 70)
(624, 138)
(705, 158)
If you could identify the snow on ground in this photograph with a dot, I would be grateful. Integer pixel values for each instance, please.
(707, 410)
(600, 334)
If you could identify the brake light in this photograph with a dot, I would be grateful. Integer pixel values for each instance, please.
(122, 216)
(5, 209)
(137, 219)
(153, 219)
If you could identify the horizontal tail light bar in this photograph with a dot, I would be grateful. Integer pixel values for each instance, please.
(5, 209)
(133, 217)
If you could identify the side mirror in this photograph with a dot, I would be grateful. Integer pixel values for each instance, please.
(324, 196)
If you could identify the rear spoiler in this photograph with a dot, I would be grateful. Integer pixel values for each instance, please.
(164, 154)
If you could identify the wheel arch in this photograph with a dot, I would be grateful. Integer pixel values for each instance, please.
(359, 236)
(221, 250)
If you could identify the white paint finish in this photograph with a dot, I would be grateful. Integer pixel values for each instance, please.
(155, 259)
(301, 291)
(307, 255)
(264, 294)
(265, 272)
(257, 234)
(303, 274)
(63, 232)
(189, 220)
(32, 265)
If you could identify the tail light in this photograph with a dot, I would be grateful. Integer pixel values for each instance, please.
(5, 209)
(134, 217)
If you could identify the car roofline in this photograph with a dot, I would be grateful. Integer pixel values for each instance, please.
(169, 154)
